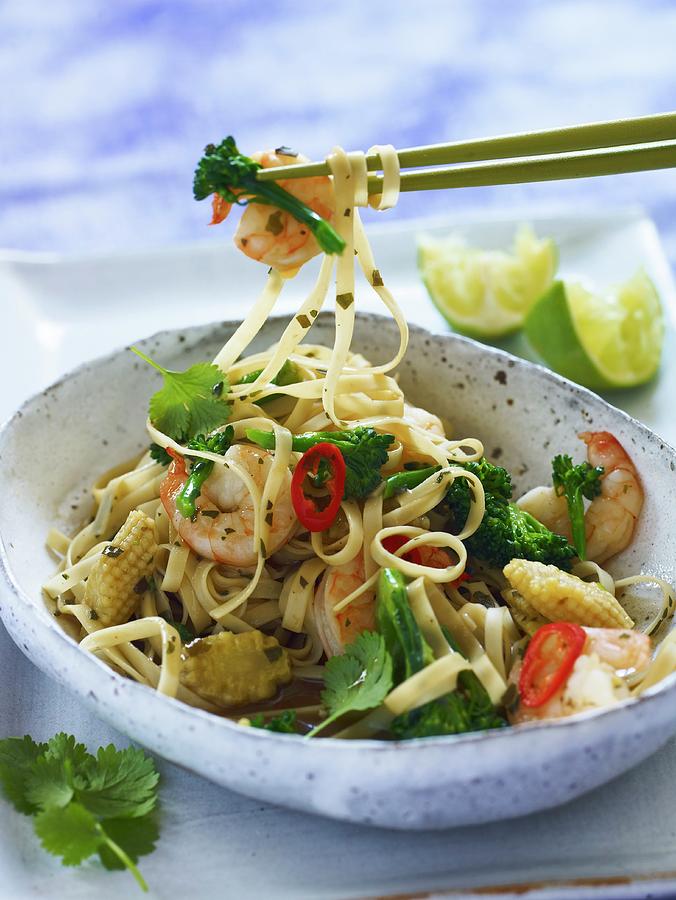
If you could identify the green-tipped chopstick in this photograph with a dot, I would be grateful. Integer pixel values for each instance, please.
(581, 151)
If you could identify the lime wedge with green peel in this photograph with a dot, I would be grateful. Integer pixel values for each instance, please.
(601, 339)
(486, 293)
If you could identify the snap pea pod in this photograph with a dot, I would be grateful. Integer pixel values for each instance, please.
(396, 623)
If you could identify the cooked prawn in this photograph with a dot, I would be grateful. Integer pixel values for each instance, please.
(269, 234)
(425, 420)
(223, 526)
(337, 629)
(611, 517)
(598, 676)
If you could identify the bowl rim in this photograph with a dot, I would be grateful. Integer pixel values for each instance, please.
(213, 720)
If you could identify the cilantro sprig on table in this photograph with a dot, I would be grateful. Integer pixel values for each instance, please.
(189, 403)
(82, 804)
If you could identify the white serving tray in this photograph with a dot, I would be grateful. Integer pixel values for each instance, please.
(617, 841)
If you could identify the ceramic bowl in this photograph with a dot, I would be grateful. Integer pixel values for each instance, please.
(94, 417)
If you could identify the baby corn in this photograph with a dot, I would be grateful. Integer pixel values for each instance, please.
(524, 614)
(562, 597)
(116, 582)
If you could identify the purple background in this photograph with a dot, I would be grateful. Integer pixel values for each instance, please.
(106, 106)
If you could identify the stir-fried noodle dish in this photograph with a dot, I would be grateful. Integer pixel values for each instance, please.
(303, 550)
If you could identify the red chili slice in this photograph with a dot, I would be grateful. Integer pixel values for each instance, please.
(394, 541)
(549, 660)
(465, 576)
(316, 513)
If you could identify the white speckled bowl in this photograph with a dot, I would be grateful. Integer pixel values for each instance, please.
(95, 416)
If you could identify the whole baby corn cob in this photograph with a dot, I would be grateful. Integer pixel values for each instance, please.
(562, 597)
(524, 614)
(231, 669)
(118, 578)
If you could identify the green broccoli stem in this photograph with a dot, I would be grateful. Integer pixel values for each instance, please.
(288, 374)
(201, 469)
(185, 499)
(575, 483)
(406, 481)
(274, 195)
(300, 442)
(576, 515)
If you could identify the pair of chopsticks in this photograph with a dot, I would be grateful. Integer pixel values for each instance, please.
(580, 151)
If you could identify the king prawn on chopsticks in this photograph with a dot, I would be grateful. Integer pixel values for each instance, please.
(304, 550)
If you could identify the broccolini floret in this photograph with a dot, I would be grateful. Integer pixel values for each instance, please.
(506, 532)
(225, 171)
(159, 454)
(575, 483)
(467, 708)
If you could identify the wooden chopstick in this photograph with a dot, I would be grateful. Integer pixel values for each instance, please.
(656, 130)
(585, 164)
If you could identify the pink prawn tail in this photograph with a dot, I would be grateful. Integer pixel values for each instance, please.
(604, 449)
(219, 209)
(173, 481)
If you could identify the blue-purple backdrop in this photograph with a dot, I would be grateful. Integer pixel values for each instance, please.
(105, 106)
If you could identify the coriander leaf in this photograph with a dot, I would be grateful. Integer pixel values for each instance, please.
(71, 833)
(118, 783)
(84, 804)
(63, 747)
(17, 758)
(285, 723)
(50, 781)
(191, 402)
(360, 679)
(137, 837)
(50, 784)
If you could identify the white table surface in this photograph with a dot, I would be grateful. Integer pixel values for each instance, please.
(215, 843)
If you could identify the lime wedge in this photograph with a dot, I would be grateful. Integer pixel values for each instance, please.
(607, 339)
(486, 293)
